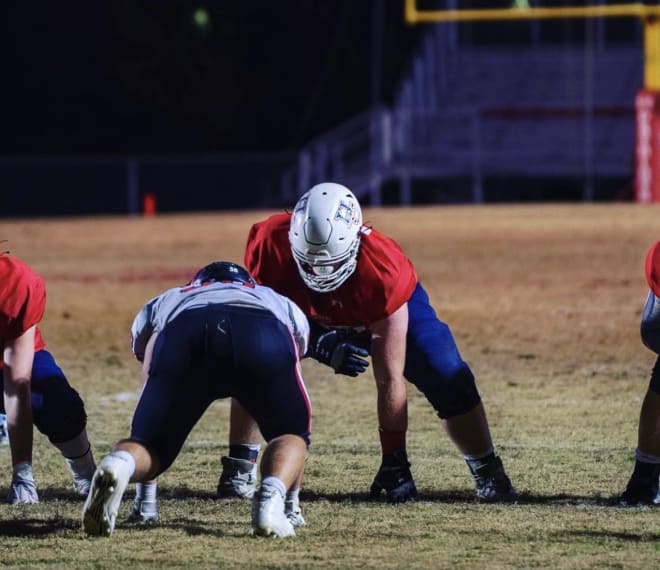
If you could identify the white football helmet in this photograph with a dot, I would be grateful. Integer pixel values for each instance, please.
(325, 235)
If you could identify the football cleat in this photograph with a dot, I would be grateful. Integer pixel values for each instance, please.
(143, 511)
(102, 504)
(23, 491)
(493, 484)
(293, 513)
(238, 478)
(81, 486)
(638, 496)
(642, 489)
(268, 518)
(395, 479)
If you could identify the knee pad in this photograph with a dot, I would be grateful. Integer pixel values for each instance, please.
(454, 395)
(58, 411)
(433, 361)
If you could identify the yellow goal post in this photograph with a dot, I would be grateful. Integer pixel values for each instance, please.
(648, 15)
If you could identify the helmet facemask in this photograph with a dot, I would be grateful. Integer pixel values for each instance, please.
(322, 273)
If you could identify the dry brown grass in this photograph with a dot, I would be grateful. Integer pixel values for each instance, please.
(544, 301)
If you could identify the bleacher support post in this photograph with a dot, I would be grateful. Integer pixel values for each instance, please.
(647, 147)
(477, 178)
(647, 123)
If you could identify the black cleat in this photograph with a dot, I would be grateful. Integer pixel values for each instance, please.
(492, 483)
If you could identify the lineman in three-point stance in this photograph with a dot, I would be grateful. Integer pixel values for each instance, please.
(362, 296)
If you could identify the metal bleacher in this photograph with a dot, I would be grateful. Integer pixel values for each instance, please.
(478, 113)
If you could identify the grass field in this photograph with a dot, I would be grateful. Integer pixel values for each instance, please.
(545, 303)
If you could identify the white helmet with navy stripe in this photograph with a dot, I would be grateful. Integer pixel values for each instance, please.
(325, 235)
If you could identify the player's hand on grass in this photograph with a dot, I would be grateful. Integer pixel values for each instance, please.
(394, 479)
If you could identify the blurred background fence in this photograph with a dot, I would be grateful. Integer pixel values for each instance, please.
(490, 122)
(483, 112)
(83, 185)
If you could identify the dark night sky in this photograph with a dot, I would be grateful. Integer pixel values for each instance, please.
(101, 76)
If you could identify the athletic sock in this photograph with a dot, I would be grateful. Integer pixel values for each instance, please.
(478, 461)
(275, 483)
(646, 471)
(293, 495)
(82, 467)
(23, 471)
(123, 456)
(644, 457)
(74, 447)
(391, 441)
(147, 492)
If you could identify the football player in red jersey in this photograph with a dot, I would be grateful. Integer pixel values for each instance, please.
(34, 387)
(642, 488)
(362, 296)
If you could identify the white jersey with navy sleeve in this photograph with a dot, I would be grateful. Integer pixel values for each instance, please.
(164, 308)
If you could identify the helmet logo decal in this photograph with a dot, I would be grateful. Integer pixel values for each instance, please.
(345, 213)
(301, 206)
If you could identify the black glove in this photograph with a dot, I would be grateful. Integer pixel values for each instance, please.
(343, 357)
(394, 477)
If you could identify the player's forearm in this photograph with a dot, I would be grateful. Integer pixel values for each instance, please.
(388, 353)
(391, 387)
(18, 356)
(19, 421)
(392, 404)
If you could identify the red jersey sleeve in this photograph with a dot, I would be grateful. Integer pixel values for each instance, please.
(22, 299)
(652, 268)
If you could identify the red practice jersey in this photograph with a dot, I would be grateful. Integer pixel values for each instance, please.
(382, 282)
(652, 268)
(22, 300)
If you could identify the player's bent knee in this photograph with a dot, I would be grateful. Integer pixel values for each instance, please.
(455, 395)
